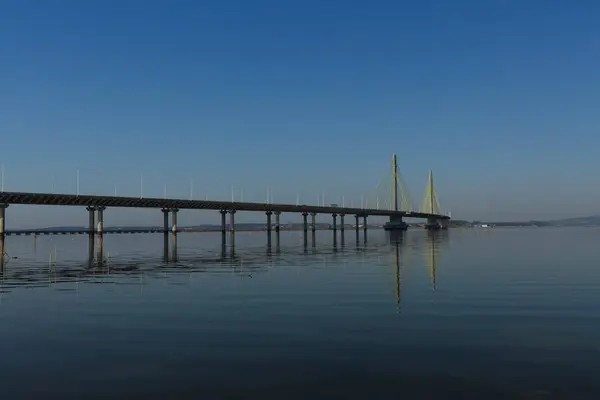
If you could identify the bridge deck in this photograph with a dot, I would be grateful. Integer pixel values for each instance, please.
(137, 202)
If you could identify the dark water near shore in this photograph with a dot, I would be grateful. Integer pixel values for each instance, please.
(482, 314)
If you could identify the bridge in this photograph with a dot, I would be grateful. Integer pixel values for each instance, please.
(399, 208)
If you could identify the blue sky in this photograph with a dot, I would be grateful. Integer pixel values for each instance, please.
(499, 98)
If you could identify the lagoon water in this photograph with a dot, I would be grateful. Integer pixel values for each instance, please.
(468, 313)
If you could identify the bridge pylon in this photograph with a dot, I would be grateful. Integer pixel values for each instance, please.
(396, 223)
(431, 205)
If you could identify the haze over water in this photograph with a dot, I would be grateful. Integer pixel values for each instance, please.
(502, 313)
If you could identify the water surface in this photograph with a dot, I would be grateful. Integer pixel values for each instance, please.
(472, 313)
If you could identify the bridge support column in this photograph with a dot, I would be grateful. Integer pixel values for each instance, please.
(396, 223)
(342, 228)
(90, 250)
(305, 227)
(444, 223)
(100, 227)
(91, 223)
(432, 224)
(3, 208)
(232, 228)
(223, 230)
(100, 252)
(165, 212)
(277, 237)
(2, 235)
(357, 229)
(313, 228)
(334, 228)
(174, 248)
(365, 228)
(269, 213)
(174, 212)
(166, 245)
(277, 215)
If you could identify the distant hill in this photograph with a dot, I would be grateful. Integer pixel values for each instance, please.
(593, 220)
(63, 228)
(580, 221)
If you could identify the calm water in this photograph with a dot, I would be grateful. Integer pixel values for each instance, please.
(504, 313)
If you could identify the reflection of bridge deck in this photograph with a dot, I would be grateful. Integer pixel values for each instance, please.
(36, 232)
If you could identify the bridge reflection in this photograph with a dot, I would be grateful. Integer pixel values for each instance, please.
(406, 249)
(429, 245)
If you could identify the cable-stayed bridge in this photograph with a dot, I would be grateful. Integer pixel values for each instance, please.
(391, 199)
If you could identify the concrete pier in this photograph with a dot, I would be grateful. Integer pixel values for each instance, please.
(165, 212)
(174, 247)
(2, 252)
(432, 224)
(100, 227)
(90, 250)
(313, 217)
(277, 215)
(174, 212)
(365, 228)
(3, 208)
(277, 236)
(342, 239)
(396, 223)
(166, 247)
(2, 235)
(100, 251)
(357, 229)
(443, 223)
(305, 228)
(223, 229)
(269, 213)
(91, 219)
(232, 229)
(334, 228)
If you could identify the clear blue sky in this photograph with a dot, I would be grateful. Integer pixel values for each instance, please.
(500, 98)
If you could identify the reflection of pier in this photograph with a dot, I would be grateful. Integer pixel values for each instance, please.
(431, 248)
(401, 253)
(429, 244)
(100, 267)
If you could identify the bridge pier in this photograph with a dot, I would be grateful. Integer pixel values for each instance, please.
(90, 249)
(223, 231)
(305, 227)
(100, 228)
(165, 212)
(100, 251)
(432, 224)
(3, 208)
(334, 228)
(166, 247)
(365, 228)
(174, 248)
(277, 236)
(357, 228)
(443, 223)
(269, 213)
(174, 212)
(232, 228)
(313, 228)
(396, 223)
(91, 219)
(342, 228)
(2, 235)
